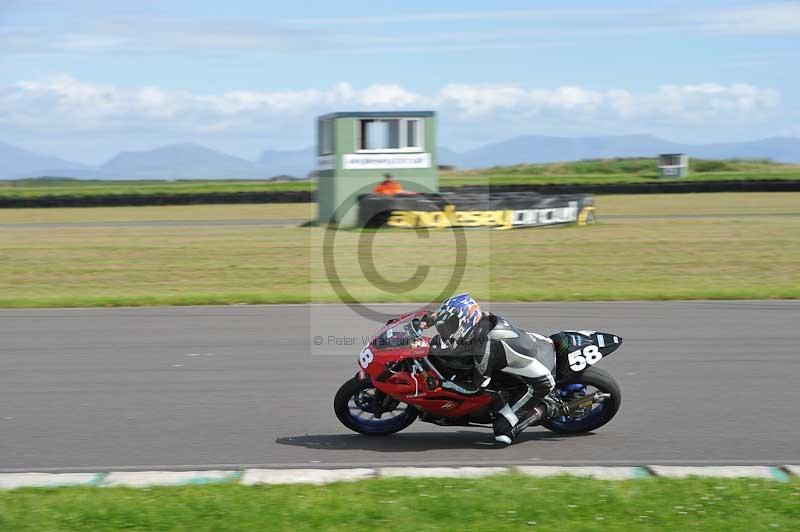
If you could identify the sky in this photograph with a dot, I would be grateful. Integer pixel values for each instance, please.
(86, 79)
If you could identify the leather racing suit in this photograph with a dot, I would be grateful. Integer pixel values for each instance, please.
(497, 347)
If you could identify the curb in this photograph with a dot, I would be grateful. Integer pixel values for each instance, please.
(252, 477)
(773, 473)
(143, 479)
(599, 473)
(440, 472)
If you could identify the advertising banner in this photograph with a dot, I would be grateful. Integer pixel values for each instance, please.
(384, 161)
(492, 210)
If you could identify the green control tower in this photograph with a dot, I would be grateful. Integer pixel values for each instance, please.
(355, 150)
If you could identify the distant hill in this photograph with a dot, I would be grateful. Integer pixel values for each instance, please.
(181, 161)
(192, 161)
(778, 149)
(18, 162)
(539, 149)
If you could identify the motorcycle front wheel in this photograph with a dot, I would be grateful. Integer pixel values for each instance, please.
(364, 409)
(590, 381)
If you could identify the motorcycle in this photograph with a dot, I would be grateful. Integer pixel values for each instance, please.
(398, 383)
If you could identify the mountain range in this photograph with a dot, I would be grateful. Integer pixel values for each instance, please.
(17, 162)
(540, 149)
(192, 161)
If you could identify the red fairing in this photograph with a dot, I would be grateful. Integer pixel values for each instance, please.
(421, 389)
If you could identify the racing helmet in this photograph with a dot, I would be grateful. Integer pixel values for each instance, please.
(457, 317)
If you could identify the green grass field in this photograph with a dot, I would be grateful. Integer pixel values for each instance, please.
(510, 502)
(744, 246)
(271, 211)
(633, 170)
(30, 188)
(627, 170)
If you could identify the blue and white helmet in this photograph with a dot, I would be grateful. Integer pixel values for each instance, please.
(457, 317)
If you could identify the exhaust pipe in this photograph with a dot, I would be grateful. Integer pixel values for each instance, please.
(585, 402)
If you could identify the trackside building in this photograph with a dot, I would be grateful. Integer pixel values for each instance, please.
(355, 150)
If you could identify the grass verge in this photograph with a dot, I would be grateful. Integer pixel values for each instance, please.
(34, 188)
(171, 213)
(618, 171)
(508, 502)
(654, 257)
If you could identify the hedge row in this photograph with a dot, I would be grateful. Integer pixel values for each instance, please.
(119, 200)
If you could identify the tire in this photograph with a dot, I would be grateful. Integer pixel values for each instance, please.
(375, 427)
(602, 381)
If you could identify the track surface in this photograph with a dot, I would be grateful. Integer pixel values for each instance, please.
(703, 382)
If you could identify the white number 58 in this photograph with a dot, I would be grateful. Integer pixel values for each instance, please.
(365, 357)
(578, 360)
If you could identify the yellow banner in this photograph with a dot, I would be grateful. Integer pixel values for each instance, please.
(499, 219)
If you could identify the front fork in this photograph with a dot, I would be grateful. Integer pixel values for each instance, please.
(379, 402)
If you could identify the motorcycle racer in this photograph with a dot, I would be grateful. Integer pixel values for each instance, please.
(494, 345)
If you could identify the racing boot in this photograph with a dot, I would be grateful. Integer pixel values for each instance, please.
(504, 422)
(509, 424)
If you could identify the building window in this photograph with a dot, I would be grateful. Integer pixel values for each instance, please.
(325, 136)
(380, 134)
(413, 134)
(671, 159)
(390, 134)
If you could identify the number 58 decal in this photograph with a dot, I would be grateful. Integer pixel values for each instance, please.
(579, 359)
(365, 358)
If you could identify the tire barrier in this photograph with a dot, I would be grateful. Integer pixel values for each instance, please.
(499, 210)
(134, 200)
(137, 200)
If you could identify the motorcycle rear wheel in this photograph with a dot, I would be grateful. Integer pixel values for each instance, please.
(353, 404)
(600, 414)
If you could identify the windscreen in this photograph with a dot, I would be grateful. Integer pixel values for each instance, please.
(405, 332)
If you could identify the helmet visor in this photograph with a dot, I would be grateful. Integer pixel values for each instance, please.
(447, 327)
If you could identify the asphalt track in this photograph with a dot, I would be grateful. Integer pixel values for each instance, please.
(204, 387)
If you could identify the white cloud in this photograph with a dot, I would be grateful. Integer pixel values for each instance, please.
(452, 16)
(159, 37)
(63, 106)
(756, 19)
(451, 31)
(763, 19)
(155, 35)
(82, 105)
(88, 43)
(705, 101)
(681, 103)
(66, 102)
(96, 106)
(476, 101)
